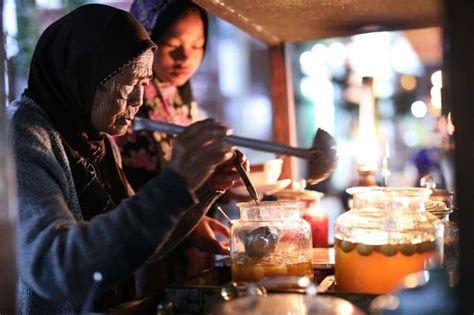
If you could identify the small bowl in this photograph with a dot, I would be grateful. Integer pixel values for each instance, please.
(266, 173)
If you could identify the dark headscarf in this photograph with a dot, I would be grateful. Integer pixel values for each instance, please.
(158, 15)
(73, 57)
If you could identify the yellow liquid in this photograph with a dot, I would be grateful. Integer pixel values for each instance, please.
(253, 272)
(374, 272)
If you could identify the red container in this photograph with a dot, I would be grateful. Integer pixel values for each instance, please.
(318, 219)
(316, 216)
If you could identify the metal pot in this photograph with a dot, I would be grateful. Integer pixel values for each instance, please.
(256, 300)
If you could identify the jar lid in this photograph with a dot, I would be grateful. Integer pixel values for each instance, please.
(389, 191)
(437, 207)
(441, 192)
(443, 195)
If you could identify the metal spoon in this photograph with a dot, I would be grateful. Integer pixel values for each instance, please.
(246, 179)
(226, 217)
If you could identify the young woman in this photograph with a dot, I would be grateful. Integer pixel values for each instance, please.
(179, 28)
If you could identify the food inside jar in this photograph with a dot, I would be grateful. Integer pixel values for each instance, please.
(377, 269)
(250, 270)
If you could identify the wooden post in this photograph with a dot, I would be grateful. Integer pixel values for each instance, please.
(459, 88)
(284, 130)
(8, 275)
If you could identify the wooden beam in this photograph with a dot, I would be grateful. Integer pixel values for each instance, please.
(284, 130)
(459, 95)
(8, 210)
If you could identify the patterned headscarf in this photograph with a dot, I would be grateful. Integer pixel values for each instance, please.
(158, 15)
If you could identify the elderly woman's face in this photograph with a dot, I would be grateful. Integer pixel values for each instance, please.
(117, 101)
(181, 49)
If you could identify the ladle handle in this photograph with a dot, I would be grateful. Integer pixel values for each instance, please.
(245, 178)
(260, 145)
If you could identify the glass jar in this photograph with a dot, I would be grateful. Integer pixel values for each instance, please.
(317, 216)
(270, 239)
(386, 235)
(450, 237)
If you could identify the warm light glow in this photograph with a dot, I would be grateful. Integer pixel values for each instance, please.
(411, 138)
(49, 4)
(345, 308)
(320, 50)
(383, 88)
(437, 79)
(435, 93)
(370, 54)
(417, 279)
(442, 126)
(419, 109)
(337, 54)
(313, 63)
(365, 168)
(316, 212)
(404, 58)
(304, 282)
(306, 62)
(385, 164)
(367, 142)
(450, 126)
(408, 82)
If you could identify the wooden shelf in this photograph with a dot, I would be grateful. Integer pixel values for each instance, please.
(288, 21)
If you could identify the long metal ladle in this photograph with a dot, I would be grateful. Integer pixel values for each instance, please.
(322, 156)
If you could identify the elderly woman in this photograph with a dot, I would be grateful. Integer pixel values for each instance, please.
(77, 213)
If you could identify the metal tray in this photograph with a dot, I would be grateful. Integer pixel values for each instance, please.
(203, 291)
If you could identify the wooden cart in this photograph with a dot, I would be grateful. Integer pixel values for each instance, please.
(277, 22)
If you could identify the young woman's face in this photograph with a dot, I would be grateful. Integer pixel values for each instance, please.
(117, 101)
(180, 50)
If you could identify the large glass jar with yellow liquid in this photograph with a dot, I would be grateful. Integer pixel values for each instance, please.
(270, 240)
(386, 235)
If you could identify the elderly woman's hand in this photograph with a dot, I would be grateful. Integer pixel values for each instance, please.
(226, 175)
(199, 150)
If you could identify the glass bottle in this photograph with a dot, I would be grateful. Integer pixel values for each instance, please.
(367, 142)
(441, 204)
(450, 239)
(317, 216)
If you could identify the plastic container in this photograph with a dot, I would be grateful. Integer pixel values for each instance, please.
(386, 235)
(270, 239)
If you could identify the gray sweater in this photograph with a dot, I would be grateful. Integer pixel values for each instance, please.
(57, 251)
